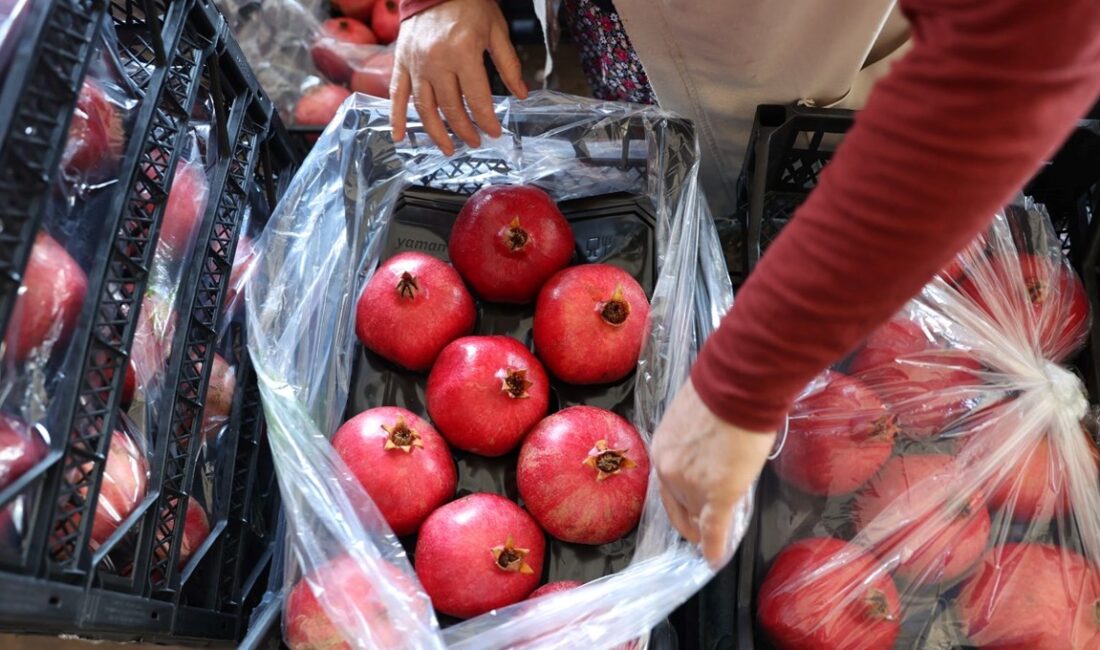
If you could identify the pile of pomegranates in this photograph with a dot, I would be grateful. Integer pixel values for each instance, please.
(348, 52)
(883, 476)
(580, 471)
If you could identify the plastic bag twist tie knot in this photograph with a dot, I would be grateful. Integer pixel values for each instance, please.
(1066, 390)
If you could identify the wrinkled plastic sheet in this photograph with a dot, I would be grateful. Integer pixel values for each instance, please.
(322, 243)
(971, 515)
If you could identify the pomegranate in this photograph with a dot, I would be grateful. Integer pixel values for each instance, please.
(412, 307)
(95, 138)
(20, 449)
(1033, 597)
(358, 9)
(129, 384)
(386, 21)
(348, 587)
(825, 593)
(485, 392)
(590, 322)
(184, 211)
(330, 57)
(897, 338)
(478, 553)
(928, 392)
(839, 435)
(1059, 317)
(219, 397)
(196, 528)
(554, 587)
(944, 556)
(372, 76)
(243, 263)
(319, 105)
(125, 477)
(508, 240)
(402, 463)
(583, 474)
(48, 306)
(1036, 490)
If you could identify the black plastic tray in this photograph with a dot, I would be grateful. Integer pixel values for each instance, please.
(789, 148)
(172, 53)
(616, 229)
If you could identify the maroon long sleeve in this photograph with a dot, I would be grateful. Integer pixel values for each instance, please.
(988, 91)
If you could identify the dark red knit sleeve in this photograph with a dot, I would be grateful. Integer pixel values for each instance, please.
(413, 7)
(988, 91)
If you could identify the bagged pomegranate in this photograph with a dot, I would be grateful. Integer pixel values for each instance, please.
(308, 55)
(941, 483)
(334, 238)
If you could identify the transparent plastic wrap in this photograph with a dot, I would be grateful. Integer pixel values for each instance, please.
(322, 244)
(939, 487)
(297, 50)
(35, 357)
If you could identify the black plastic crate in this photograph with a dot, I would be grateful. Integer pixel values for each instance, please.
(789, 147)
(48, 60)
(173, 53)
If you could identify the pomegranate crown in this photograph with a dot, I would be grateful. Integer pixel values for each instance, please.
(615, 310)
(515, 237)
(399, 436)
(511, 559)
(514, 383)
(407, 286)
(606, 461)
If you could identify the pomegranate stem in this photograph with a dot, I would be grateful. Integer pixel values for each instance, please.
(407, 286)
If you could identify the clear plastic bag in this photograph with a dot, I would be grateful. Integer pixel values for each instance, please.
(286, 44)
(939, 488)
(324, 240)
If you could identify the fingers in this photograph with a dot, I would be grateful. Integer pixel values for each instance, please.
(475, 86)
(714, 526)
(424, 100)
(507, 62)
(400, 85)
(679, 516)
(449, 98)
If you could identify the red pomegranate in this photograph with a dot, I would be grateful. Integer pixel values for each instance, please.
(1059, 316)
(243, 263)
(319, 105)
(125, 477)
(358, 9)
(898, 338)
(219, 397)
(412, 307)
(825, 593)
(372, 76)
(839, 435)
(48, 306)
(386, 20)
(1033, 597)
(402, 463)
(184, 211)
(349, 588)
(20, 449)
(129, 384)
(508, 240)
(1036, 489)
(554, 587)
(929, 392)
(590, 322)
(196, 528)
(583, 474)
(96, 137)
(485, 392)
(478, 553)
(329, 56)
(942, 556)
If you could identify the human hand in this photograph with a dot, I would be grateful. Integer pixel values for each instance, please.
(704, 466)
(439, 59)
